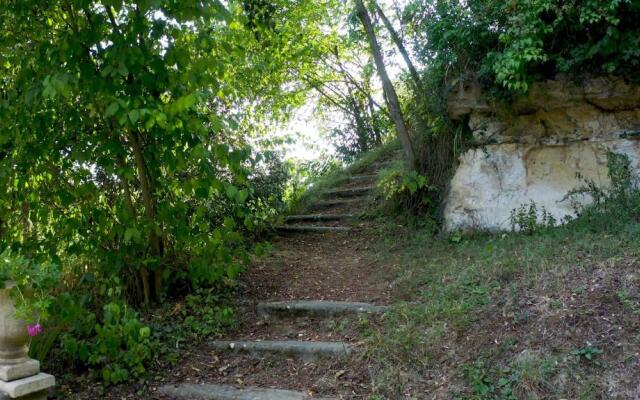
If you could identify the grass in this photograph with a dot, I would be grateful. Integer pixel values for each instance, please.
(469, 302)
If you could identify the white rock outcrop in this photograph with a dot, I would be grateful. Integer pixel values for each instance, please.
(545, 145)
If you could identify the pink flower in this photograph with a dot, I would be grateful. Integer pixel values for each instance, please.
(34, 330)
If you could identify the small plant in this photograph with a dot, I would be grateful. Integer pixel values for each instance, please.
(479, 379)
(456, 237)
(203, 315)
(523, 378)
(620, 201)
(528, 220)
(588, 353)
(628, 301)
(404, 190)
(119, 346)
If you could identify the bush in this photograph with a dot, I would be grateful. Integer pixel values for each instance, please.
(509, 45)
(119, 346)
(403, 190)
(111, 339)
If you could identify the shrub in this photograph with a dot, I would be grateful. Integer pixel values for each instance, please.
(619, 202)
(509, 45)
(402, 189)
(528, 219)
(118, 346)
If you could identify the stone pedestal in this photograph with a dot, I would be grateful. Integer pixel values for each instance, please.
(33, 387)
(20, 376)
(11, 372)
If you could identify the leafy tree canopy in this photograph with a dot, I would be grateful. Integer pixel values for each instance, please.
(124, 127)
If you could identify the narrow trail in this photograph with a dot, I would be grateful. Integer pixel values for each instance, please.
(297, 335)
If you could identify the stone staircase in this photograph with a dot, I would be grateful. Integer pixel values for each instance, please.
(339, 209)
(338, 206)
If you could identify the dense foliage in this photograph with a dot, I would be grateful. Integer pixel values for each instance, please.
(124, 151)
(512, 44)
(125, 131)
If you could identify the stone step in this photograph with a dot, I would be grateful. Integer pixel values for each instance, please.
(228, 392)
(350, 192)
(316, 307)
(363, 177)
(310, 229)
(334, 203)
(319, 217)
(308, 351)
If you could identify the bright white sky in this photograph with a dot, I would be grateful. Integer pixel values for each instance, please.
(309, 130)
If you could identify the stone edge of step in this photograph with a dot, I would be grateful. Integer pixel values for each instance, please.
(317, 307)
(310, 228)
(229, 392)
(319, 217)
(350, 191)
(307, 350)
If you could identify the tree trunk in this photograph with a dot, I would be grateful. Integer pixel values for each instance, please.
(146, 188)
(398, 41)
(362, 131)
(143, 274)
(417, 82)
(390, 93)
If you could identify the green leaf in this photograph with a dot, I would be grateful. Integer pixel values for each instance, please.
(131, 234)
(232, 192)
(145, 332)
(243, 195)
(134, 115)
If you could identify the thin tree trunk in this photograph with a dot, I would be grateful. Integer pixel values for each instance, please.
(377, 136)
(389, 91)
(417, 82)
(150, 213)
(361, 127)
(398, 41)
(128, 199)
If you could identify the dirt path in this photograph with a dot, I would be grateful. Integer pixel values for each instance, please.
(302, 266)
(325, 267)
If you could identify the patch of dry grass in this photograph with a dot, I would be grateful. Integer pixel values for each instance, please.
(511, 316)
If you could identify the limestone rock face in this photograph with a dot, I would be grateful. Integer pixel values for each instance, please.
(539, 148)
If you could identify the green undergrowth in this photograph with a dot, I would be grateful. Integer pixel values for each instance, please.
(130, 345)
(463, 312)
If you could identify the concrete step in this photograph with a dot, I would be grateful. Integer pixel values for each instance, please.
(350, 192)
(228, 392)
(316, 307)
(310, 229)
(319, 217)
(308, 351)
(334, 203)
(359, 178)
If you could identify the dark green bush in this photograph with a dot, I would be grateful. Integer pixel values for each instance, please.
(512, 44)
